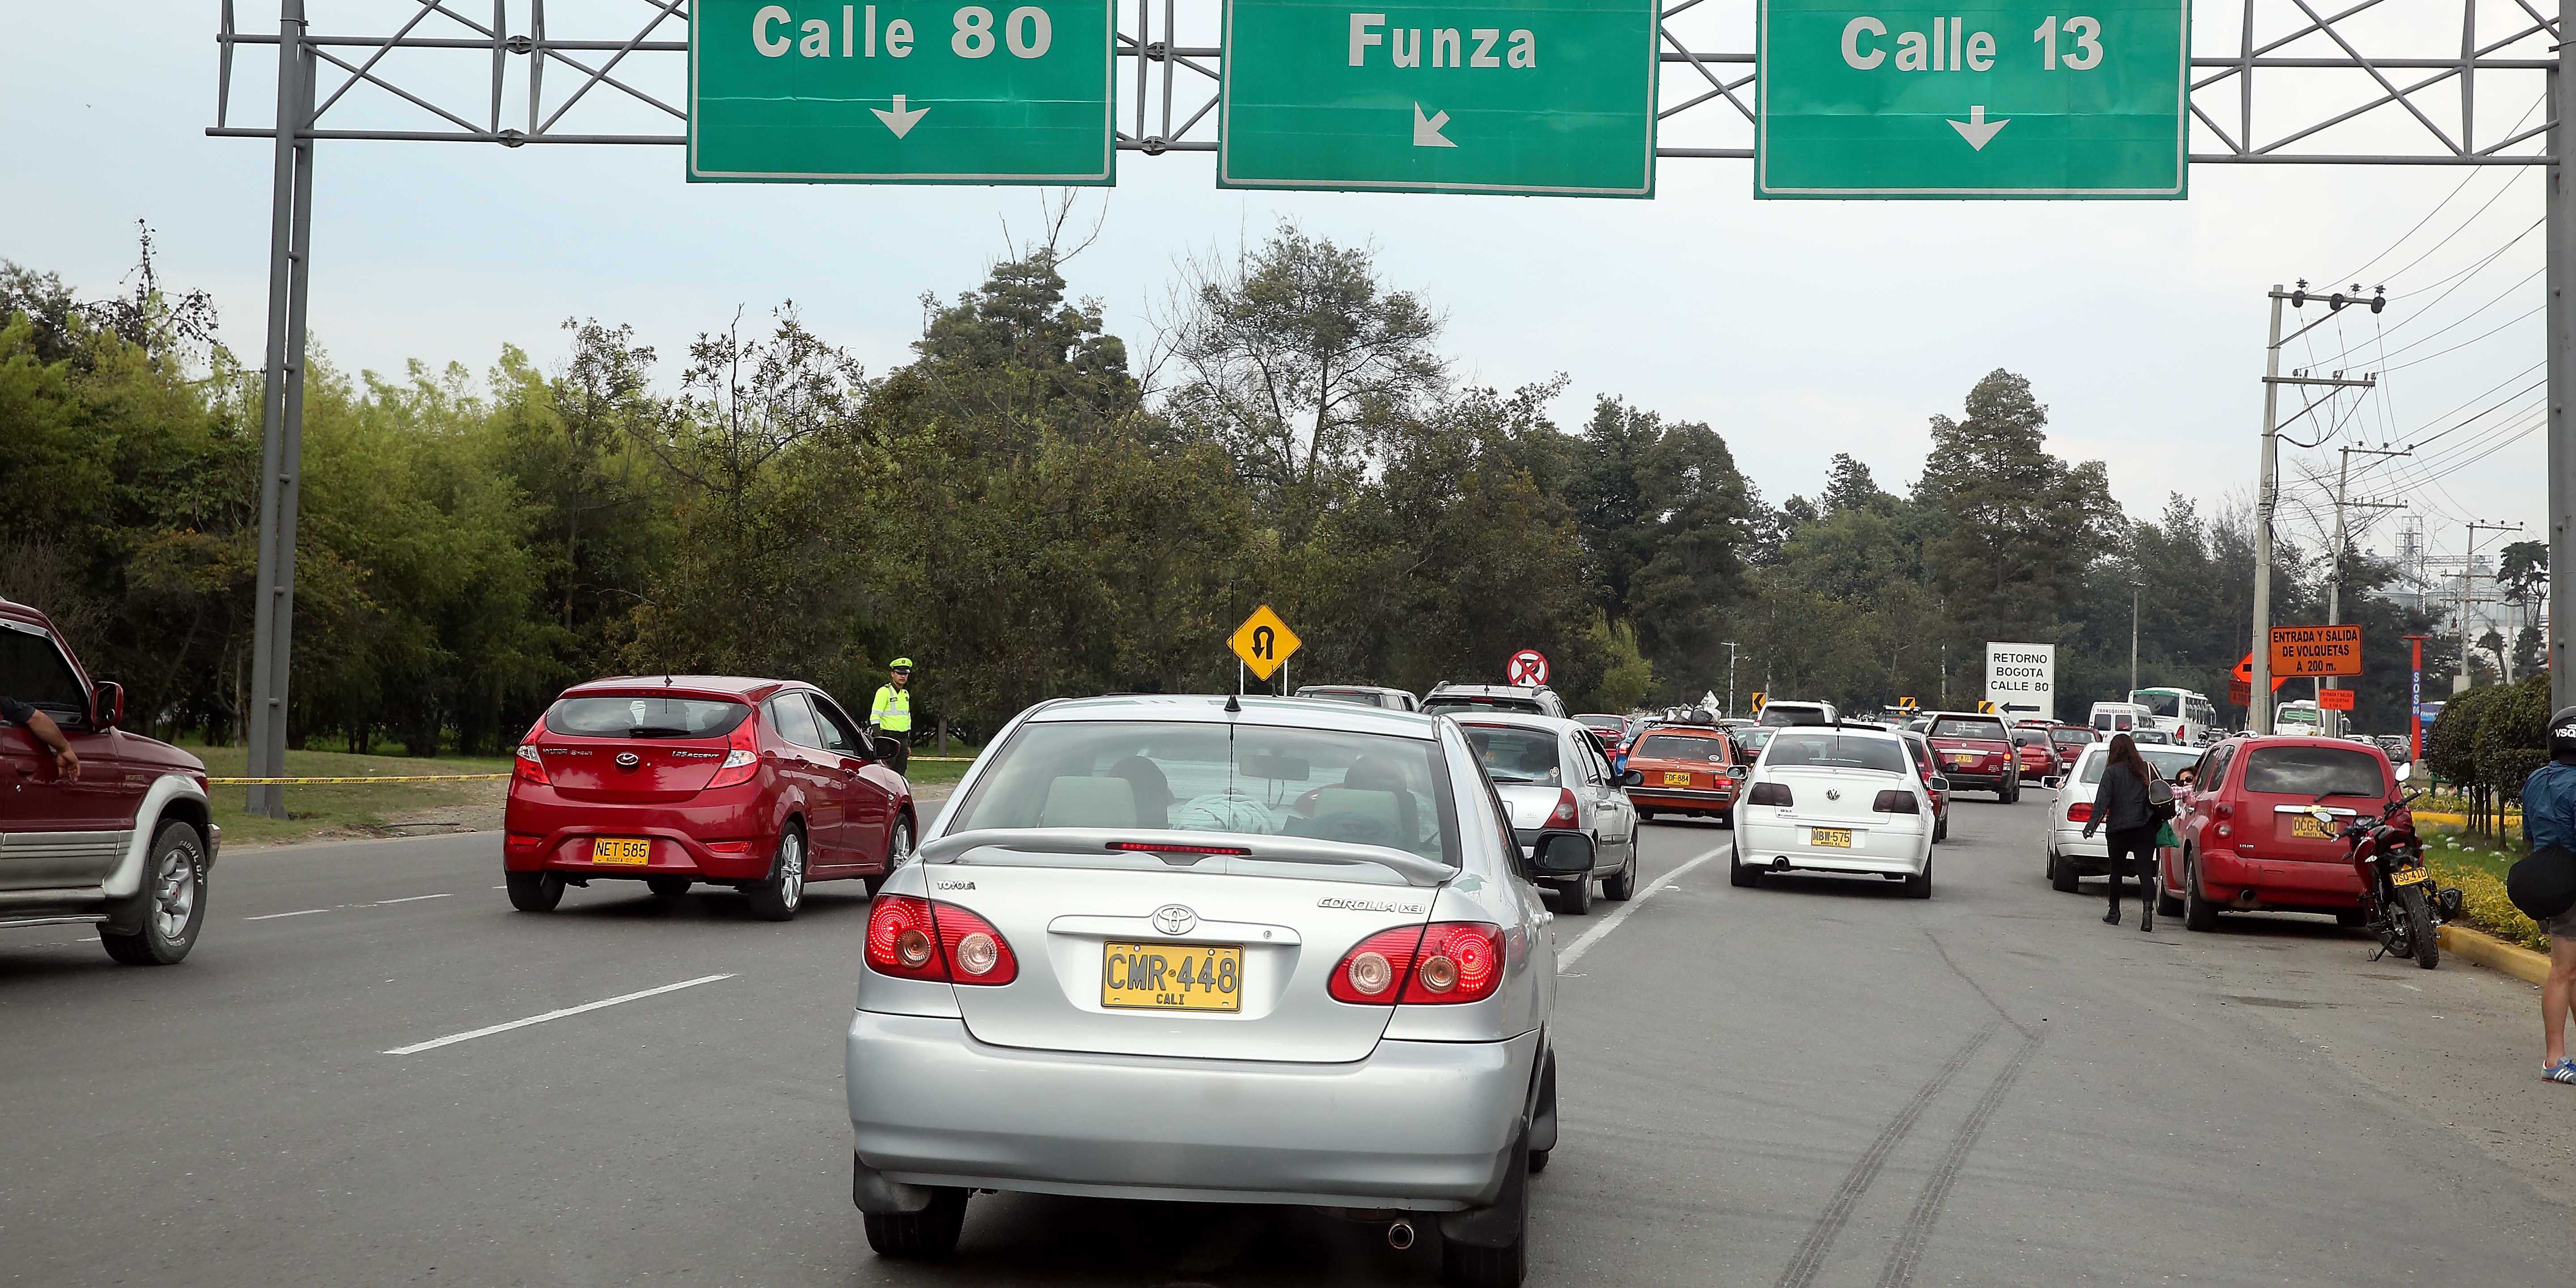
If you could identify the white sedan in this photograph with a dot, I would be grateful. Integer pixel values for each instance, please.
(1836, 799)
(2072, 855)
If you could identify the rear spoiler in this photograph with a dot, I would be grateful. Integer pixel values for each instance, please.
(1199, 851)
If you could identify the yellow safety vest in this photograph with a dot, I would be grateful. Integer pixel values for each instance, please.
(892, 711)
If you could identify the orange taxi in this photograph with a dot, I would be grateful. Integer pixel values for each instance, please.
(1690, 770)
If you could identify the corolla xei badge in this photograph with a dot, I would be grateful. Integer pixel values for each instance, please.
(1173, 919)
(628, 760)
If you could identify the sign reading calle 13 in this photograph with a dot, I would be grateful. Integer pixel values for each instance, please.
(901, 91)
(1927, 98)
(1539, 97)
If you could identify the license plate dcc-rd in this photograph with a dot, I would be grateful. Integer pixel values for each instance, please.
(622, 851)
(1171, 977)
(2309, 825)
(1836, 838)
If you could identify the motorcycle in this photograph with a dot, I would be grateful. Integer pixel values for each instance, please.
(2402, 905)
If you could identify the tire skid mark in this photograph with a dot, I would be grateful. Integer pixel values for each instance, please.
(1810, 1256)
(1910, 1241)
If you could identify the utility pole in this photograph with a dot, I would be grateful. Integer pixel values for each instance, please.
(1730, 676)
(1945, 675)
(2134, 588)
(2468, 581)
(281, 411)
(2561, 268)
(2258, 714)
(2333, 720)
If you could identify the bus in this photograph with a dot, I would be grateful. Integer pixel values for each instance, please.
(2180, 712)
(2301, 716)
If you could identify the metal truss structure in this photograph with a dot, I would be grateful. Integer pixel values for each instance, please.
(2374, 82)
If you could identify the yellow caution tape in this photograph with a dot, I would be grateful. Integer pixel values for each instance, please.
(387, 778)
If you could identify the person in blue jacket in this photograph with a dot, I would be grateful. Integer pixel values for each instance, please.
(2549, 818)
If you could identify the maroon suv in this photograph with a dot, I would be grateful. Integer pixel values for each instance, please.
(125, 846)
(762, 785)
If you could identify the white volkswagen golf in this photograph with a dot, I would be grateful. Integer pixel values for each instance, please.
(1215, 950)
(1840, 799)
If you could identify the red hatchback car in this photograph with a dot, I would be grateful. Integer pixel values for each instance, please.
(762, 785)
(1686, 769)
(2249, 840)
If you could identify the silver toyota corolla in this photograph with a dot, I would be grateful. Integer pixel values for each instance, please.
(1214, 950)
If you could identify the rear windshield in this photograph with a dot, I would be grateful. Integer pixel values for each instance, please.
(1479, 702)
(1675, 746)
(1968, 727)
(1606, 724)
(1835, 751)
(2314, 772)
(2030, 737)
(2167, 762)
(1366, 789)
(645, 716)
(2161, 704)
(1754, 740)
(1516, 755)
(2074, 737)
(1782, 715)
(1357, 696)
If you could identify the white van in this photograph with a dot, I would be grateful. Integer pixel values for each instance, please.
(1783, 715)
(2118, 717)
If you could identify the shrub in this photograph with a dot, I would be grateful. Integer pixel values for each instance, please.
(2483, 902)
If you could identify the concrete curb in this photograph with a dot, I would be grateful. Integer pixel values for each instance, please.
(2495, 954)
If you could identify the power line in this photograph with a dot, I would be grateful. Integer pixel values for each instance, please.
(2444, 202)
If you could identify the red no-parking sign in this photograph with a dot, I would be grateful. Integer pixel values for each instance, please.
(1529, 666)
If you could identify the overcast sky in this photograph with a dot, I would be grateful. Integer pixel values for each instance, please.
(1797, 329)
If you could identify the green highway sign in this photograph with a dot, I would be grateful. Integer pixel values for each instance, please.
(1544, 97)
(901, 91)
(2026, 98)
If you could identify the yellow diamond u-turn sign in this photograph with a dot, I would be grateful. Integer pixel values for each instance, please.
(1264, 641)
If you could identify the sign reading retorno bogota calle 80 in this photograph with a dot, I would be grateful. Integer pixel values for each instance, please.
(901, 91)
(1926, 98)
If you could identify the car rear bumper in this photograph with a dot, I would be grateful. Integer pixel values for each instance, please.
(2085, 854)
(1680, 798)
(719, 836)
(1416, 1125)
(1877, 849)
(2254, 884)
(1976, 779)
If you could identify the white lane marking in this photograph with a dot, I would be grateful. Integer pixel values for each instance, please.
(1565, 960)
(272, 916)
(453, 1038)
(405, 899)
(307, 912)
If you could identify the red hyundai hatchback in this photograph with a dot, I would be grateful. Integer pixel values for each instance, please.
(762, 785)
(2250, 840)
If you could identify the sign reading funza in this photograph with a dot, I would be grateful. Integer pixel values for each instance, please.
(1552, 97)
(2027, 98)
(901, 91)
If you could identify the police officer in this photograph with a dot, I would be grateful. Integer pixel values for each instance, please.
(891, 713)
(2549, 818)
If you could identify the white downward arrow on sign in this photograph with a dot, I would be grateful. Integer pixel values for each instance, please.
(1426, 129)
(1977, 130)
(901, 121)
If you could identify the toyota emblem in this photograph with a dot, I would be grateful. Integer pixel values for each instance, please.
(628, 760)
(1173, 919)
(1833, 793)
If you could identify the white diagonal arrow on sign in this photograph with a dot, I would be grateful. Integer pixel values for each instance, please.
(901, 121)
(1426, 129)
(1977, 130)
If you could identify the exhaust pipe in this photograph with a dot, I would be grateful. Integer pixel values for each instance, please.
(1780, 864)
(1399, 1235)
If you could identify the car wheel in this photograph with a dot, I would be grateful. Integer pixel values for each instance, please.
(2010, 792)
(668, 887)
(1645, 816)
(776, 899)
(170, 908)
(534, 891)
(1546, 1114)
(1940, 827)
(1726, 819)
(2198, 913)
(1618, 889)
(2352, 919)
(1740, 876)
(2168, 904)
(1575, 897)
(1919, 885)
(926, 1235)
(1469, 1265)
(2061, 874)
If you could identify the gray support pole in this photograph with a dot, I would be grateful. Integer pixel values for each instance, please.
(2562, 393)
(2258, 708)
(281, 397)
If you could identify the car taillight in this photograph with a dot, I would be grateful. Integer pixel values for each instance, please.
(1893, 802)
(1564, 814)
(529, 768)
(1445, 963)
(1770, 794)
(742, 756)
(913, 938)
(2080, 812)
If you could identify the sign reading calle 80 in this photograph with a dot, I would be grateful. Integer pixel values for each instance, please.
(901, 91)
(2028, 98)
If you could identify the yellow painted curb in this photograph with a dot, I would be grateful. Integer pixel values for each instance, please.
(2495, 954)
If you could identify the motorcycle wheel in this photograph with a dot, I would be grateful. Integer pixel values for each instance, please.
(2419, 927)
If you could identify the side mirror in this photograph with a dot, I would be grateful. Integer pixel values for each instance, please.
(1940, 783)
(1631, 777)
(2053, 781)
(1739, 771)
(106, 705)
(2406, 772)
(1562, 854)
(884, 746)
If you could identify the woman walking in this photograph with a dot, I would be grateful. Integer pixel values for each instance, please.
(2121, 808)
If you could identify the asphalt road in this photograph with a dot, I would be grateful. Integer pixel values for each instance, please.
(1815, 1082)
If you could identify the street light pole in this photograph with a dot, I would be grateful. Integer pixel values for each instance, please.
(2134, 588)
(1730, 676)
